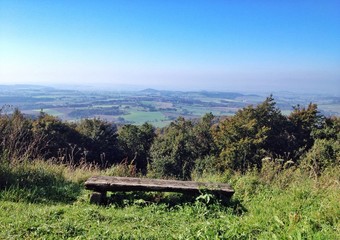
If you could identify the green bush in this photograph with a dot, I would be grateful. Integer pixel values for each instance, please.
(207, 165)
(323, 154)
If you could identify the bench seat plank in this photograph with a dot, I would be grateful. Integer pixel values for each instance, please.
(109, 183)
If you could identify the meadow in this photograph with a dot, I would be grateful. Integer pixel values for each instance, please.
(44, 200)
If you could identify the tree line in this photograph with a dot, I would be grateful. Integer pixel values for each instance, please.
(215, 144)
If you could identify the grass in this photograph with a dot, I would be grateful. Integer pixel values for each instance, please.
(42, 200)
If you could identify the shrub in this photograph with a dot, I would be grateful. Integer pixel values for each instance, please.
(207, 165)
(323, 154)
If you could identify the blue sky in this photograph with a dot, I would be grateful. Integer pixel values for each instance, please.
(186, 45)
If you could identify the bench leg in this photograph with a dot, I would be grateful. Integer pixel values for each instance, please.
(98, 198)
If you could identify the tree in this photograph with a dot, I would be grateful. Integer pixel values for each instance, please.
(16, 136)
(252, 134)
(55, 138)
(135, 143)
(330, 129)
(205, 144)
(99, 138)
(240, 140)
(324, 153)
(303, 122)
(269, 116)
(175, 151)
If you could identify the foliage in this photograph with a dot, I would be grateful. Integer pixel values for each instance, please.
(208, 164)
(330, 129)
(323, 154)
(252, 134)
(255, 133)
(56, 138)
(185, 147)
(304, 121)
(48, 137)
(99, 139)
(16, 137)
(135, 143)
(175, 151)
(203, 136)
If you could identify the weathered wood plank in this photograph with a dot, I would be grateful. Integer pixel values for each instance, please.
(108, 183)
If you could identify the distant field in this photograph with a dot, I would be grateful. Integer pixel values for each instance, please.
(332, 108)
(153, 106)
(200, 111)
(139, 117)
(50, 112)
(104, 106)
(286, 112)
(49, 96)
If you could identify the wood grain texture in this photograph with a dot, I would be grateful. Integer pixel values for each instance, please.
(108, 183)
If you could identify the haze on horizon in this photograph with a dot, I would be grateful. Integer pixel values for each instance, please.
(184, 45)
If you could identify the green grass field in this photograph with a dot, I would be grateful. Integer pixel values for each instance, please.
(140, 117)
(52, 112)
(47, 201)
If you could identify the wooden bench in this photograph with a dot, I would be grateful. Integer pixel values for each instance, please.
(102, 184)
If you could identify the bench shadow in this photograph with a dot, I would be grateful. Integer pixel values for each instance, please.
(36, 186)
(171, 200)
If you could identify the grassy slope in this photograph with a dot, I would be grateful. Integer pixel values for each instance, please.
(289, 207)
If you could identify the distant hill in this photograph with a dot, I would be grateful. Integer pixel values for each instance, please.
(149, 90)
(210, 94)
(230, 95)
(24, 87)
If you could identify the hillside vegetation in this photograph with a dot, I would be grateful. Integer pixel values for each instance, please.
(284, 169)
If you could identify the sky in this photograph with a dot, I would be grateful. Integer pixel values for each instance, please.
(184, 45)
